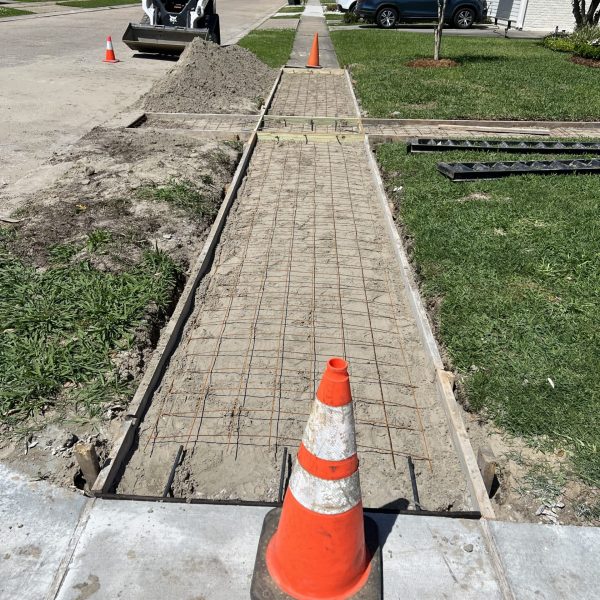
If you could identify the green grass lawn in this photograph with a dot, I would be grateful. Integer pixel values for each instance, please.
(96, 3)
(272, 46)
(289, 16)
(496, 79)
(292, 9)
(60, 327)
(512, 268)
(12, 12)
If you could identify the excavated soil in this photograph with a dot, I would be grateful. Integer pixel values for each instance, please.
(102, 190)
(213, 79)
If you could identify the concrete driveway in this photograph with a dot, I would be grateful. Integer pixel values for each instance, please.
(54, 86)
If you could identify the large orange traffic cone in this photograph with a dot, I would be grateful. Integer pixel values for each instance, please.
(319, 550)
(109, 56)
(313, 57)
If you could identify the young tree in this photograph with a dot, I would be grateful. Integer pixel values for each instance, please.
(440, 27)
(586, 15)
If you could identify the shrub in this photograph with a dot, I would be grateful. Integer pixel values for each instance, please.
(331, 7)
(559, 44)
(585, 35)
(588, 51)
(351, 17)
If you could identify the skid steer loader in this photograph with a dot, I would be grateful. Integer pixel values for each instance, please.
(169, 25)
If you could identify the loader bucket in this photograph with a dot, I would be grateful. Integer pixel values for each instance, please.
(159, 39)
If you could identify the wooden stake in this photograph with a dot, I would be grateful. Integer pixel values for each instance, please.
(87, 459)
(486, 461)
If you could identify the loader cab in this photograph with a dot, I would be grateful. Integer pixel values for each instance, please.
(175, 13)
(168, 26)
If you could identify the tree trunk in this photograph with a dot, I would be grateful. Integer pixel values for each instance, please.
(440, 28)
(586, 15)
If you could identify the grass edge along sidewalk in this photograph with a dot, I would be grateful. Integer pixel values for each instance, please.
(510, 271)
(272, 46)
(6, 12)
(495, 78)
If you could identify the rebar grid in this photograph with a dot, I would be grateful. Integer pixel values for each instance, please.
(310, 94)
(307, 280)
(308, 125)
(229, 123)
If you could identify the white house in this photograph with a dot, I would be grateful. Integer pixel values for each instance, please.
(534, 14)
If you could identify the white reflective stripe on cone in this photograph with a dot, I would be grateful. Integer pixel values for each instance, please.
(328, 497)
(329, 433)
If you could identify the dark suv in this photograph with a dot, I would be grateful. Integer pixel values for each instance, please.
(387, 13)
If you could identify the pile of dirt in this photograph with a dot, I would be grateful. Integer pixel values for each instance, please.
(212, 79)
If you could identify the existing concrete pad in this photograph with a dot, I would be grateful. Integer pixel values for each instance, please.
(37, 521)
(153, 551)
(428, 558)
(547, 562)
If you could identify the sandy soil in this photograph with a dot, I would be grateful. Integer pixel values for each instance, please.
(212, 79)
(100, 189)
(533, 486)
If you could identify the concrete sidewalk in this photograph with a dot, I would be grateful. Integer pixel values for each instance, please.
(59, 545)
(312, 21)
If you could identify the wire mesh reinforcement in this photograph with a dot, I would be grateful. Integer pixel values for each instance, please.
(303, 273)
(313, 94)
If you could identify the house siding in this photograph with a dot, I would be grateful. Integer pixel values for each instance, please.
(547, 14)
(539, 14)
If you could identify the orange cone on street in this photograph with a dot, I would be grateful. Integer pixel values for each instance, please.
(109, 56)
(313, 57)
(319, 549)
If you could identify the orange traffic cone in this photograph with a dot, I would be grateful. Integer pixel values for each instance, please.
(318, 550)
(313, 57)
(109, 57)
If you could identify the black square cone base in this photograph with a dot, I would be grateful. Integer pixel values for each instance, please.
(264, 588)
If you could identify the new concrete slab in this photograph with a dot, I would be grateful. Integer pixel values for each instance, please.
(312, 21)
(547, 562)
(37, 522)
(428, 558)
(145, 550)
(153, 551)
